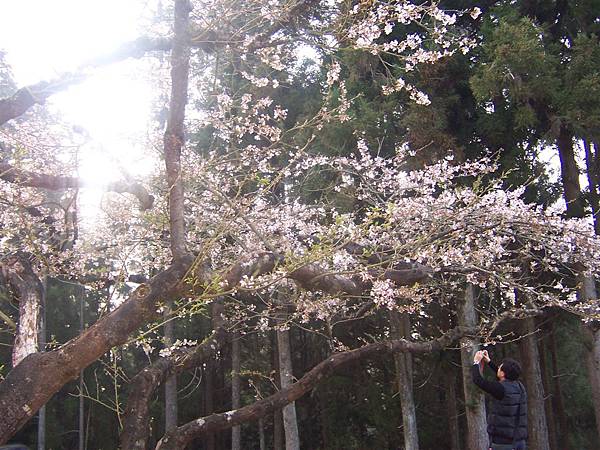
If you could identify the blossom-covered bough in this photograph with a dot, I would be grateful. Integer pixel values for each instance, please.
(239, 224)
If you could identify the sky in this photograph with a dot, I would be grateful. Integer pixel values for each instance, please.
(44, 39)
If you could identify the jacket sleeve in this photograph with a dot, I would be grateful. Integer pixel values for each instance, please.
(494, 388)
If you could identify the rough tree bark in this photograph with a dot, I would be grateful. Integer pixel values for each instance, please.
(174, 137)
(400, 326)
(179, 438)
(474, 400)
(532, 376)
(41, 431)
(208, 389)
(28, 291)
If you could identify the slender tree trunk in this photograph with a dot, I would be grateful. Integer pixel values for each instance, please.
(572, 190)
(548, 401)
(591, 333)
(210, 378)
(209, 406)
(81, 294)
(569, 173)
(477, 437)
(286, 374)
(41, 431)
(183, 435)
(171, 383)
(404, 379)
(261, 435)
(593, 184)
(278, 437)
(532, 375)
(452, 412)
(557, 397)
(236, 436)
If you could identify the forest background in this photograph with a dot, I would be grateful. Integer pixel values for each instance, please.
(344, 201)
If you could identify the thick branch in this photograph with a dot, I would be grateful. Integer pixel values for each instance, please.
(136, 426)
(174, 134)
(180, 437)
(313, 277)
(32, 383)
(57, 183)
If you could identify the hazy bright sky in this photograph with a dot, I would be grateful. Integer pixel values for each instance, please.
(44, 38)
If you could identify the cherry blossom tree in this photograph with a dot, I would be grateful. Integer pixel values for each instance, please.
(228, 219)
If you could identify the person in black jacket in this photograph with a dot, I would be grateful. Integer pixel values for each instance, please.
(507, 417)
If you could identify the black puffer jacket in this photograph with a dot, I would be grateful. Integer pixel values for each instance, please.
(501, 419)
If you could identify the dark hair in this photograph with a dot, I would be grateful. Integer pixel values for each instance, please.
(511, 368)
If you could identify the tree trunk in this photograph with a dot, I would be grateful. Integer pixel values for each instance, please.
(557, 397)
(209, 406)
(41, 429)
(81, 294)
(532, 375)
(261, 435)
(400, 326)
(236, 436)
(548, 402)
(278, 437)
(286, 375)
(593, 183)
(174, 136)
(28, 290)
(477, 437)
(452, 412)
(591, 333)
(171, 383)
(569, 173)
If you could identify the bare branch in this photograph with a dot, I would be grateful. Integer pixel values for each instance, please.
(57, 183)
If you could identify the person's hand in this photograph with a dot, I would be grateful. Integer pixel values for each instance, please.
(478, 357)
(486, 356)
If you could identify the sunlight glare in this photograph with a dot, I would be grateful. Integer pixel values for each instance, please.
(110, 109)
